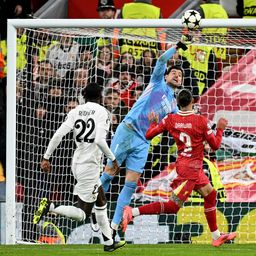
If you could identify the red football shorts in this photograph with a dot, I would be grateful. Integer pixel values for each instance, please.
(184, 184)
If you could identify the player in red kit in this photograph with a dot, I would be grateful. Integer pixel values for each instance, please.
(190, 131)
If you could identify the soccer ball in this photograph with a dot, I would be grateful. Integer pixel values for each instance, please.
(191, 19)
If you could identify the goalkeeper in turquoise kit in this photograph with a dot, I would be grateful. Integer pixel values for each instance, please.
(129, 143)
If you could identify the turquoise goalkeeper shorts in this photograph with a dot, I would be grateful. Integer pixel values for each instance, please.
(128, 146)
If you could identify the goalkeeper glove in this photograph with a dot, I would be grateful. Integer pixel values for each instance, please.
(184, 41)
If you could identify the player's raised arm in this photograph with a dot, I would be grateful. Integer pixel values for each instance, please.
(215, 140)
(160, 67)
(155, 128)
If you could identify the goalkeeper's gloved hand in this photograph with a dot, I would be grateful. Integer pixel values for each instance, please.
(184, 41)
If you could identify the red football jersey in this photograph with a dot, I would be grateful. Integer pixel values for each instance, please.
(189, 130)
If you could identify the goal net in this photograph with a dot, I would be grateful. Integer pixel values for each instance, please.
(53, 65)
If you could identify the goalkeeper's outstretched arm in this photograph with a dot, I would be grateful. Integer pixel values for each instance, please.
(160, 67)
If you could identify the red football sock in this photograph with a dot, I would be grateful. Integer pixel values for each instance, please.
(210, 210)
(159, 207)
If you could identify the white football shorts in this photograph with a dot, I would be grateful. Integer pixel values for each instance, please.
(88, 181)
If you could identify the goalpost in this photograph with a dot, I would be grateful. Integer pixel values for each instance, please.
(38, 102)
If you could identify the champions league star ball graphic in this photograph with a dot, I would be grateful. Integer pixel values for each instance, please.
(191, 19)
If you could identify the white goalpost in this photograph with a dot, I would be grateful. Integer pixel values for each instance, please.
(61, 56)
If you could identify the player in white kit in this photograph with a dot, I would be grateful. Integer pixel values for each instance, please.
(90, 123)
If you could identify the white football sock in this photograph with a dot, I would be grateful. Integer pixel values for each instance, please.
(70, 212)
(102, 219)
(135, 212)
(215, 234)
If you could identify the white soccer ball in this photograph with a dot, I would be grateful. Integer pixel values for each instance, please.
(191, 19)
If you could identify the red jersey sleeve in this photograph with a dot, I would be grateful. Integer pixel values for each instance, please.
(213, 140)
(155, 129)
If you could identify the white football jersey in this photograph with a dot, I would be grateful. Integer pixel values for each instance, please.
(63, 59)
(85, 120)
(90, 124)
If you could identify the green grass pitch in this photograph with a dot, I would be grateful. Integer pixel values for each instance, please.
(129, 250)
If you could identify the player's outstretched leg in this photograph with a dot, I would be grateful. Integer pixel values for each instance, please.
(231, 236)
(93, 222)
(220, 240)
(123, 200)
(42, 210)
(127, 217)
(223, 238)
(114, 246)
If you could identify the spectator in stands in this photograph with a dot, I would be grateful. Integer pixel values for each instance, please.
(231, 8)
(106, 9)
(212, 10)
(22, 8)
(112, 101)
(38, 44)
(85, 56)
(148, 11)
(8, 10)
(137, 92)
(126, 84)
(117, 117)
(105, 60)
(40, 109)
(22, 40)
(43, 79)
(115, 121)
(71, 103)
(55, 106)
(79, 80)
(64, 55)
(45, 72)
(21, 60)
(42, 41)
(12, 9)
(203, 61)
(88, 51)
(190, 79)
(127, 58)
(146, 66)
(126, 76)
(246, 9)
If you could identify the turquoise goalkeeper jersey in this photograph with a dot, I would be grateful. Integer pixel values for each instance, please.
(157, 97)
